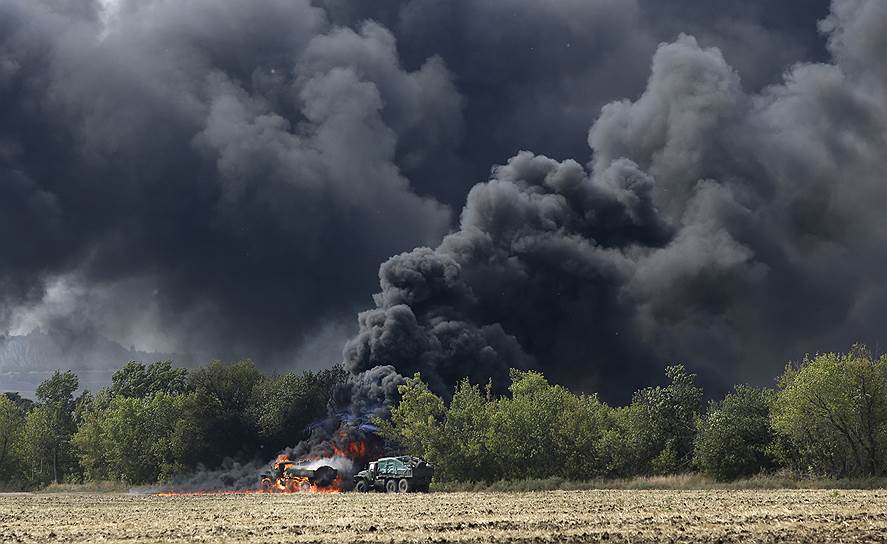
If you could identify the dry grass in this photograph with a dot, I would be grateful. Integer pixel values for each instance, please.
(562, 516)
(691, 481)
(88, 487)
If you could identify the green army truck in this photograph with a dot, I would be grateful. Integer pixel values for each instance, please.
(395, 475)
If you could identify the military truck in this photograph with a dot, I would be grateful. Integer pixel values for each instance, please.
(286, 475)
(395, 475)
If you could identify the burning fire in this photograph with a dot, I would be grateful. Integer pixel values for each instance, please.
(321, 471)
(290, 483)
(302, 485)
(352, 450)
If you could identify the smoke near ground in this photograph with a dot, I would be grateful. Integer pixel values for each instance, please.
(224, 181)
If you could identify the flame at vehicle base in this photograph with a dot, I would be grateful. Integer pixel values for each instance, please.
(326, 468)
(316, 477)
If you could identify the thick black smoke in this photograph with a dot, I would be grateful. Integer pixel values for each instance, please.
(206, 177)
(727, 229)
(223, 179)
(724, 216)
(535, 74)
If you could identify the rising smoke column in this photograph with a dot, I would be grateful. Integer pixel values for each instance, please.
(222, 179)
(523, 260)
(192, 176)
(726, 229)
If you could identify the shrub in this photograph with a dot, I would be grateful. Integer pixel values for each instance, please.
(735, 437)
(831, 415)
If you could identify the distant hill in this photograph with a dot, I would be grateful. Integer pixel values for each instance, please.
(27, 360)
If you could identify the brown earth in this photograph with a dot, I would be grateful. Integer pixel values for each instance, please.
(561, 516)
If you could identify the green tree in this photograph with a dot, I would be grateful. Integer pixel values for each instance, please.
(284, 406)
(540, 430)
(655, 434)
(138, 380)
(831, 414)
(544, 430)
(37, 443)
(55, 418)
(581, 424)
(464, 448)
(629, 441)
(11, 421)
(416, 422)
(89, 441)
(58, 389)
(226, 415)
(735, 438)
(139, 440)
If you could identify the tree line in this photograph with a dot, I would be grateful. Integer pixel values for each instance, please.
(155, 421)
(826, 417)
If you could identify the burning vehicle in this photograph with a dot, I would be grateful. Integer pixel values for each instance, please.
(325, 462)
(395, 475)
(289, 476)
(402, 474)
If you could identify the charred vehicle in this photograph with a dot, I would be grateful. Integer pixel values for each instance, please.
(287, 476)
(395, 475)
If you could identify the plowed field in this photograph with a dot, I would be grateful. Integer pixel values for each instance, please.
(580, 516)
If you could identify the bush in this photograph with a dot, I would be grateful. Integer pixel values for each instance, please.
(655, 434)
(830, 415)
(139, 440)
(11, 421)
(735, 437)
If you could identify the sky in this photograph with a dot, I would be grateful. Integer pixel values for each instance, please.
(593, 188)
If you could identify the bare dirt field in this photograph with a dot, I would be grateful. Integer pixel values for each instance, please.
(561, 516)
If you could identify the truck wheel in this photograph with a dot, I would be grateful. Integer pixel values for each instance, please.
(361, 486)
(403, 486)
(391, 486)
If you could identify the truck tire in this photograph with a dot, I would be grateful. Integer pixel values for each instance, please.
(403, 486)
(361, 486)
(391, 486)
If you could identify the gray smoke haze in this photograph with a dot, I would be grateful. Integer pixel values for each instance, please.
(224, 180)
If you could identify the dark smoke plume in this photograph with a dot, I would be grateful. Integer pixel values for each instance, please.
(222, 180)
(727, 216)
(726, 229)
(207, 179)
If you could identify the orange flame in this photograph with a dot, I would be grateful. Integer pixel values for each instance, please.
(343, 447)
(352, 450)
